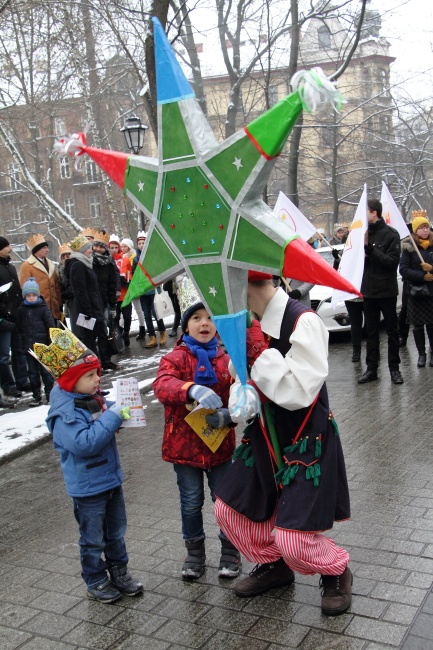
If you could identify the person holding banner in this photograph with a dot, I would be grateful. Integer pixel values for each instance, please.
(380, 290)
(416, 268)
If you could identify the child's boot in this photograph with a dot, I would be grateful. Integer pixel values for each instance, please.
(230, 561)
(124, 582)
(193, 567)
(105, 592)
(36, 399)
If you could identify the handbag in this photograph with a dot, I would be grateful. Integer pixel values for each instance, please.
(115, 342)
(419, 291)
(163, 305)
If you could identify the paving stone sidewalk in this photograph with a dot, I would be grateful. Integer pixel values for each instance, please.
(386, 435)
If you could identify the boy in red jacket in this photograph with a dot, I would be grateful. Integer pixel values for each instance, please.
(196, 370)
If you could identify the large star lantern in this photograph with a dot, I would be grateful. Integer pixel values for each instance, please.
(203, 198)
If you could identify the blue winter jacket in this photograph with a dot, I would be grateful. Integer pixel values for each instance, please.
(87, 446)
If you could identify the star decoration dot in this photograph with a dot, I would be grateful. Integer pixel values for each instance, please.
(237, 163)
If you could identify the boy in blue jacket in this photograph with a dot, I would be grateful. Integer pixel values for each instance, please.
(84, 433)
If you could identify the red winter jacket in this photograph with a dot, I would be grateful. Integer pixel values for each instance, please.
(174, 377)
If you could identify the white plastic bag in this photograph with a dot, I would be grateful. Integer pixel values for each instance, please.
(163, 305)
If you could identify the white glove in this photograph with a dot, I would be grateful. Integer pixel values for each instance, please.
(244, 402)
(205, 396)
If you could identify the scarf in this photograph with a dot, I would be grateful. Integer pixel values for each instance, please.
(88, 261)
(101, 259)
(204, 372)
(37, 302)
(424, 243)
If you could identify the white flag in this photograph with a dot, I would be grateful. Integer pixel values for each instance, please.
(293, 218)
(352, 262)
(391, 213)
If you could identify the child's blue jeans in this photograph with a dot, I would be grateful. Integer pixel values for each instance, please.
(191, 488)
(102, 522)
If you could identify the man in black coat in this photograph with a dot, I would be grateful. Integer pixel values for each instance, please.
(10, 300)
(87, 299)
(380, 290)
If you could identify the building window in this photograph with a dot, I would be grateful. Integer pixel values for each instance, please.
(273, 95)
(95, 207)
(59, 126)
(18, 215)
(324, 37)
(14, 176)
(64, 167)
(91, 171)
(69, 207)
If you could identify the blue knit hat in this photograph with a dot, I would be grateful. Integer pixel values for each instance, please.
(188, 313)
(31, 286)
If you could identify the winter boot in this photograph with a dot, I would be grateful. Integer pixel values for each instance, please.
(126, 339)
(230, 561)
(173, 332)
(356, 354)
(105, 592)
(47, 394)
(124, 582)
(336, 593)
(163, 338)
(36, 399)
(264, 577)
(419, 336)
(142, 334)
(194, 564)
(152, 342)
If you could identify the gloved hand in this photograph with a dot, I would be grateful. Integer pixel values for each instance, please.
(7, 325)
(219, 419)
(335, 254)
(123, 412)
(256, 342)
(205, 396)
(295, 294)
(113, 314)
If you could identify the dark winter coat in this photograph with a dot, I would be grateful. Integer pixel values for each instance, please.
(33, 322)
(84, 285)
(381, 261)
(174, 377)
(11, 299)
(65, 285)
(410, 264)
(107, 275)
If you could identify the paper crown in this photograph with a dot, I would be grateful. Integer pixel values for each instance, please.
(141, 235)
(187, 294)
(35, 240)
(419, 213)
(88, 232)
(78, 243)
(64, 248)
(114, 238)
(62, 353)
(102, 236)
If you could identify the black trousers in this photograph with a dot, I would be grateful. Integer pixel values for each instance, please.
(355, 309)
(373, 307)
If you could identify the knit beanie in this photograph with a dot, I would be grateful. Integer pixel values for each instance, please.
(80, 244)
(38, 247)
(419, 221)
(85, 363)
(127, 242)
(30, 286)
(188, 313)
(3, 243)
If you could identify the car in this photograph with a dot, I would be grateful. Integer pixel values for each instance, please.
(336, 318)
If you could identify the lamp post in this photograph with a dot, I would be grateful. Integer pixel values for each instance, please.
(134, 132)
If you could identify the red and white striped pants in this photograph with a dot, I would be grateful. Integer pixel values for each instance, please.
(261, 542)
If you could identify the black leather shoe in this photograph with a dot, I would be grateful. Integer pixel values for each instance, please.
(396, 377)
(422, 360)
(369, 375)
(13, 392)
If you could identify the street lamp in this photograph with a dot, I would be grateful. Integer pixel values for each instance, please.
(134, 132)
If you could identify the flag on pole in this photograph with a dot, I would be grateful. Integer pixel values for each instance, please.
(391, 213)
(352, 261)
(287, 211)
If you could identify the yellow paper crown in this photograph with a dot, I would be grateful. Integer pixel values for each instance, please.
(88, 232)
(35, 240)
(62, 353)
(419, 213)
(102, 236)
(64, 248)
(78, 243)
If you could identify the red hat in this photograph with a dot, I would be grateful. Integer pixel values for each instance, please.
(70, 377)
(257, 276)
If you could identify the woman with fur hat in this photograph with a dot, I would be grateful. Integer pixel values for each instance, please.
(416, 268)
